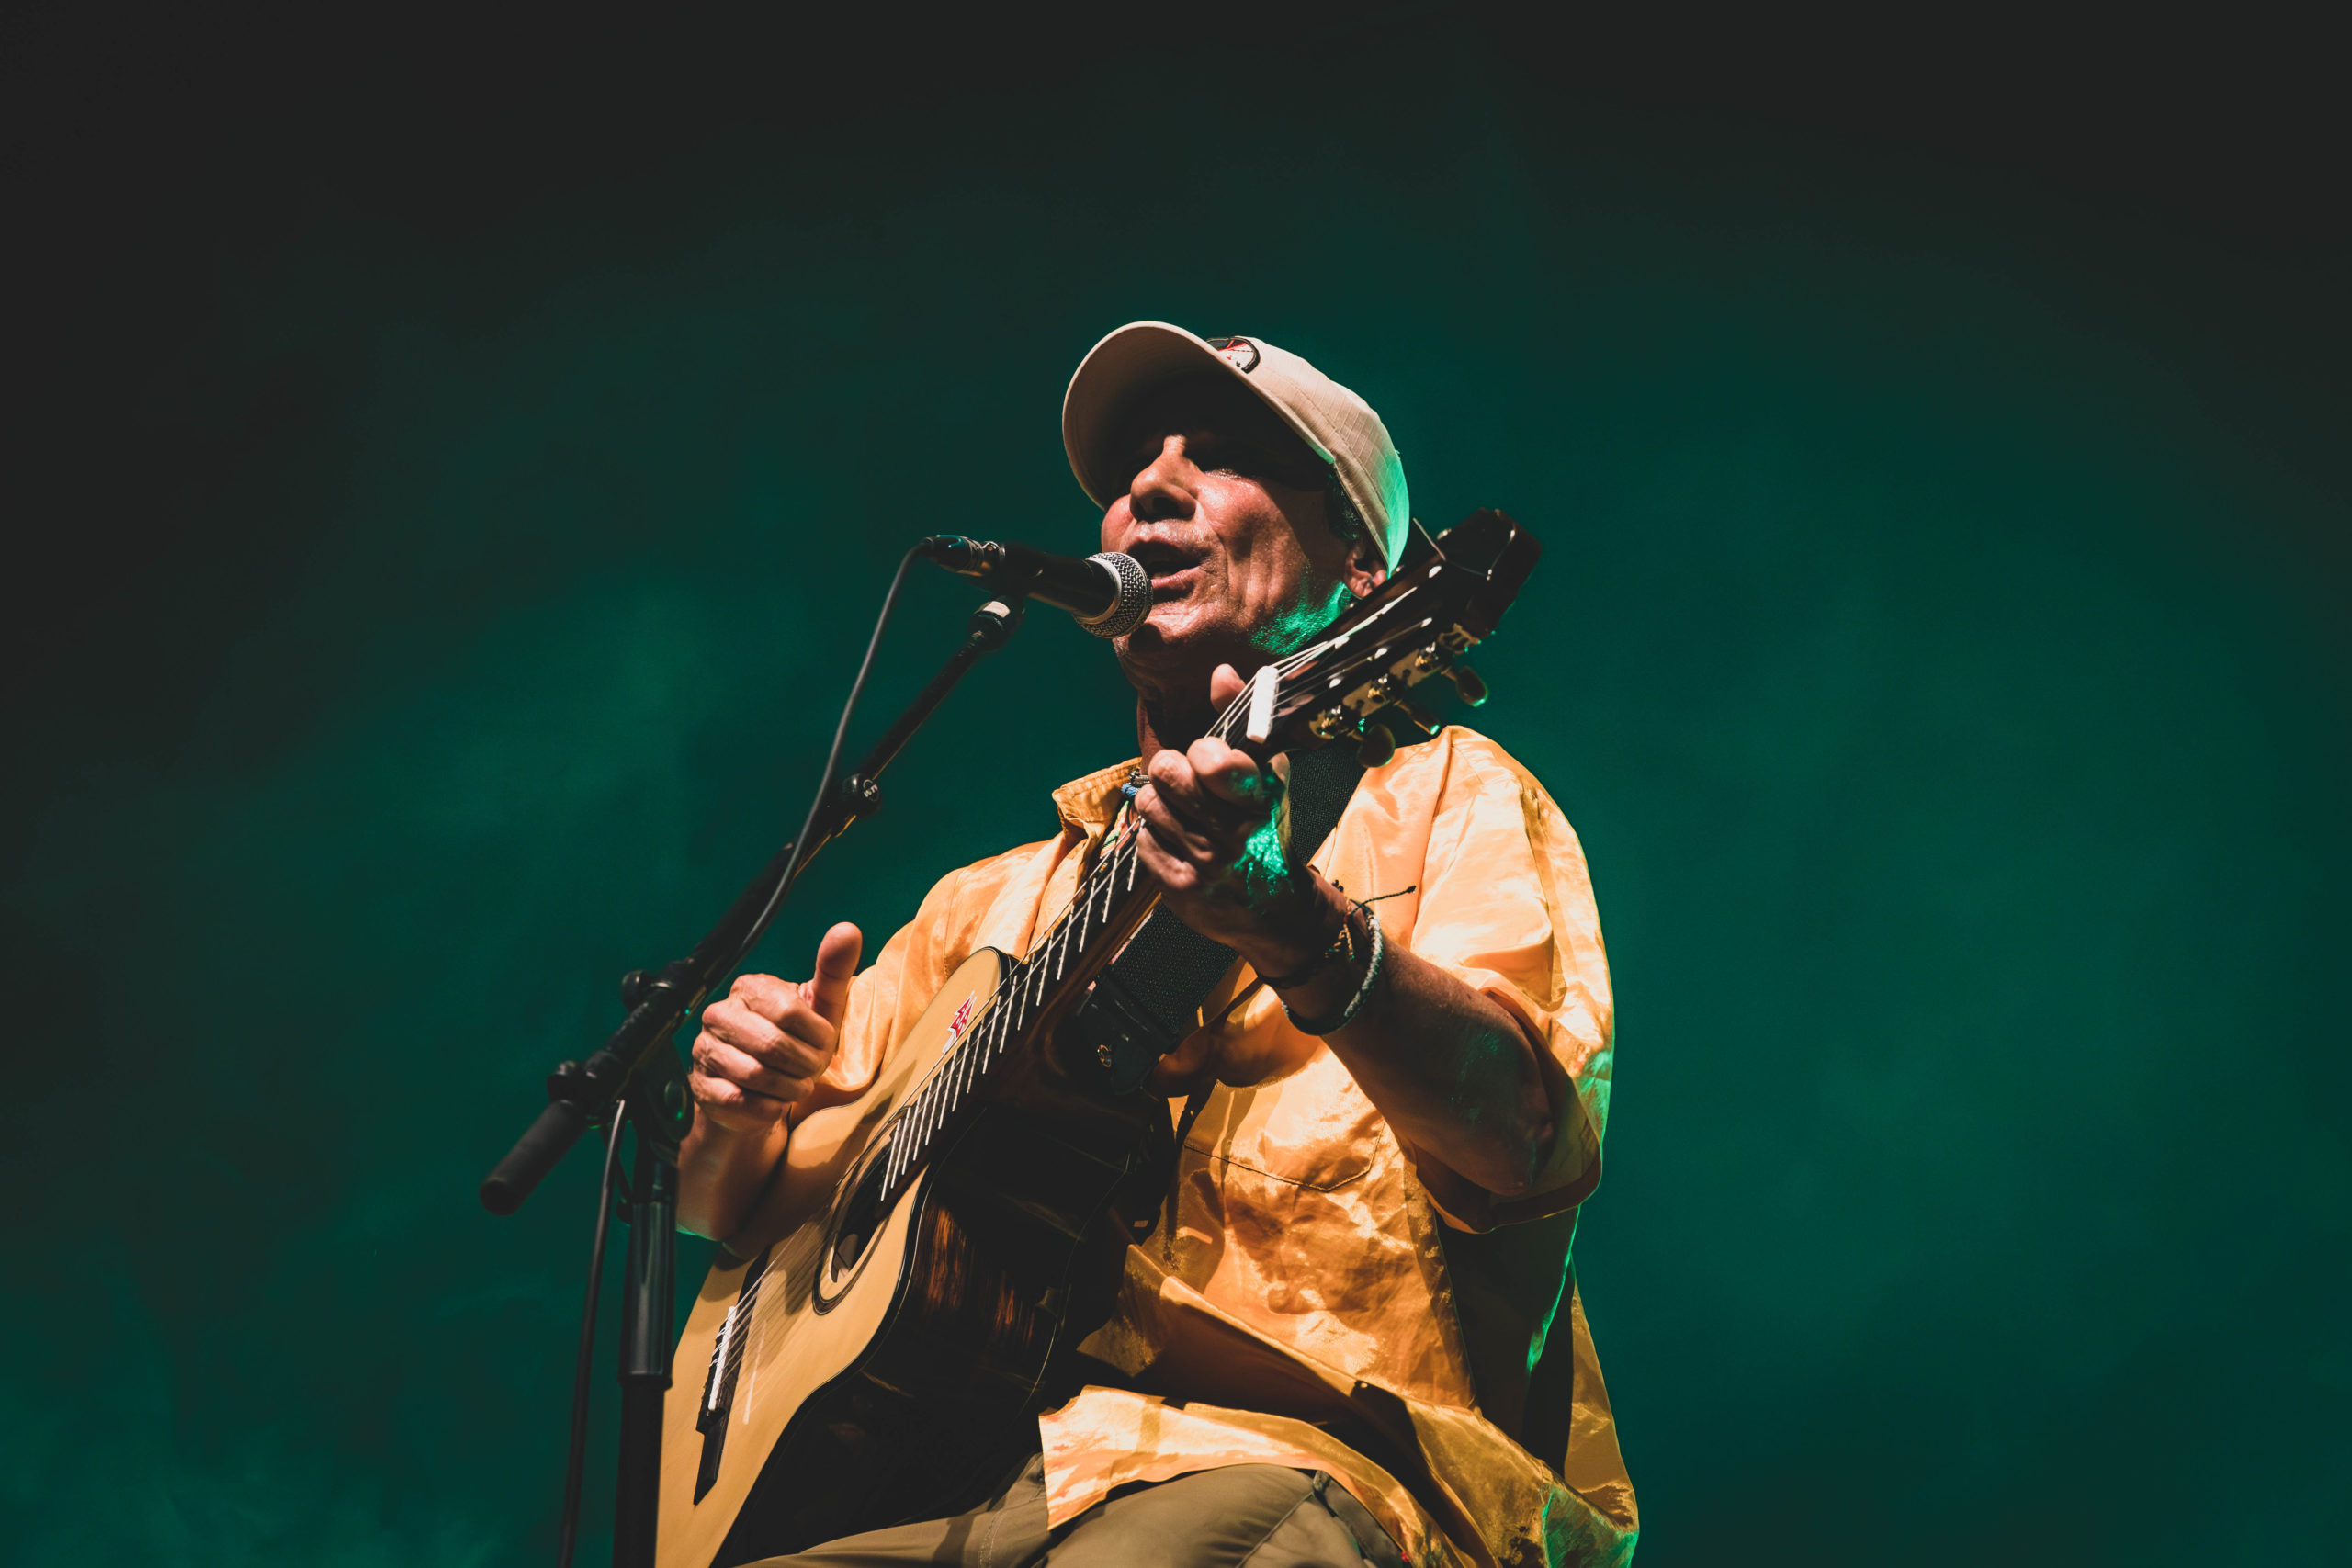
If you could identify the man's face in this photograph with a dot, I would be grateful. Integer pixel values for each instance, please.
(1226, 509)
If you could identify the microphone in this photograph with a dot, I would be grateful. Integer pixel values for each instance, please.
(1109, 593)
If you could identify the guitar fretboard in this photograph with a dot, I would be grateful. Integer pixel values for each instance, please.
(1103, 904)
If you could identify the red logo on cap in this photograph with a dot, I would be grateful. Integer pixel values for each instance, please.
(1237, 352)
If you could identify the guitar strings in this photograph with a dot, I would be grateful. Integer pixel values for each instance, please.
(1105, 873)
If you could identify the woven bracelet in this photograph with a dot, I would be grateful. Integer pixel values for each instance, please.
(1333, 1023)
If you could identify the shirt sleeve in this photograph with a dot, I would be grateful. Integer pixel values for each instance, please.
(1506, 903)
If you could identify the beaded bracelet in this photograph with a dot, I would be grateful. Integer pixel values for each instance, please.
(1333, 1023)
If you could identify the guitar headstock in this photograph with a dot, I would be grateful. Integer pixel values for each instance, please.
(1355, 681)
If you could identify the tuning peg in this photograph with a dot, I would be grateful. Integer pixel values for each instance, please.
(1420, 715)
(1377, 747)
(1467, 682)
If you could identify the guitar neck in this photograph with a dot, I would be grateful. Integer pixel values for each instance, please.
(1112, 899)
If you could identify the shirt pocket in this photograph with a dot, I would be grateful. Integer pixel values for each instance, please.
(1314, 1130)
(1321, 1171)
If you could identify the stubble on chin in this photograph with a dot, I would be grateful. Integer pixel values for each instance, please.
(1173, 663)
(1159, 671)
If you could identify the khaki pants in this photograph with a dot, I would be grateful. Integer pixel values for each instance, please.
(1261, 1514)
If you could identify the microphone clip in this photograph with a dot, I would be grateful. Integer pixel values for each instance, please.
(965, 557)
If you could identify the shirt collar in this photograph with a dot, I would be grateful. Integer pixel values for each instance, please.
(1092, 801)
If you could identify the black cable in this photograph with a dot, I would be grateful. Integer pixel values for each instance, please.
(576, 1464)
(832, 762)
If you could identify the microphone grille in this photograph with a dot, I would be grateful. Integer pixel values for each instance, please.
(1133, 605)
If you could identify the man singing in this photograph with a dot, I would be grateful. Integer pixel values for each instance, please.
(1386, 1141)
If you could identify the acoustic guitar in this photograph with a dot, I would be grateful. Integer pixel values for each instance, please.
(878, 1339)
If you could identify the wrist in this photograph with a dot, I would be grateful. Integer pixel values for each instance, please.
(722, 1133)
(1311, 1006)
(1298, 942)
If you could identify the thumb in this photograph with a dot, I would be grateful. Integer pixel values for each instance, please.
(828, 989)
(1279, 768)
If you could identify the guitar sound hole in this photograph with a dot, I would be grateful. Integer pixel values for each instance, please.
(851, 1247)
(858, 1218)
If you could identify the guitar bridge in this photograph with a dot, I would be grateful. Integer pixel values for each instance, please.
(726, 1365)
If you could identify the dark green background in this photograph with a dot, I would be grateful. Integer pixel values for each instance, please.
(462, 482)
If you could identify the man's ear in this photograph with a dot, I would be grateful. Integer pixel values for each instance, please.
(1366, 569)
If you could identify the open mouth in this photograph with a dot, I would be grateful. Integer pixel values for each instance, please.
(1172, 568)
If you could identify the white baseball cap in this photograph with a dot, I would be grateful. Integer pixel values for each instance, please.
(1339, 426)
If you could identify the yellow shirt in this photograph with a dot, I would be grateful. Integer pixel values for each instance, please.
(1319, 1296)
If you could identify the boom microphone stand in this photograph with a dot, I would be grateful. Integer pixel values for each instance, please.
(636, 1076)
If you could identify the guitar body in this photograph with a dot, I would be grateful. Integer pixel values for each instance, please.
(882, 1362)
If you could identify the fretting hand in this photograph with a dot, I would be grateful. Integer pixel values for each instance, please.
(1205, 812)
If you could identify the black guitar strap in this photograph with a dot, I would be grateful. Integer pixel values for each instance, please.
(1150, 997)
